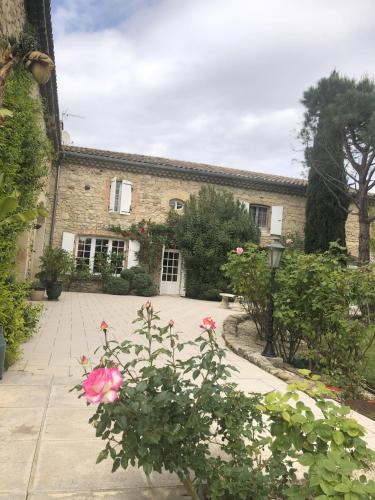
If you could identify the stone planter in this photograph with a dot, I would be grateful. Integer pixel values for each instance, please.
(37, 294)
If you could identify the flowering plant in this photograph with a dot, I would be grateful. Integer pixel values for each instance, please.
(162, 408)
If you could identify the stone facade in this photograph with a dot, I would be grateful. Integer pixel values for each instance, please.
(83, 200)
(12, 17)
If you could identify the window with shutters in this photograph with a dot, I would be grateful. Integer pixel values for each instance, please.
(260, 214)
(120, 198)
(91, 252)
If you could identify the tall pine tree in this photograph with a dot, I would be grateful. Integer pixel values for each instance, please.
(327, 201)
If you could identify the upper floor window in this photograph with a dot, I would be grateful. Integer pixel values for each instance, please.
(260, 216)
(176, 204)
(120, 198)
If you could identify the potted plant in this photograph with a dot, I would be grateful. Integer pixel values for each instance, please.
(37, 291)
(56, 264)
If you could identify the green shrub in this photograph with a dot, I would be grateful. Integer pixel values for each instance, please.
(140, 282)
(151, 291)
(249, 277)
(18, 317)
(55, 264)
(213, 223)
(329, 306)
(117, 286)
(320, 304)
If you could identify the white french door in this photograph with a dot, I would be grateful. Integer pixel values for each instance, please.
(170, 272)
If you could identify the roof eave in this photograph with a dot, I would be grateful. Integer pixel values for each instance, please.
(155, 169)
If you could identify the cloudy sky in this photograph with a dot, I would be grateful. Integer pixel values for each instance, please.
(215, 81)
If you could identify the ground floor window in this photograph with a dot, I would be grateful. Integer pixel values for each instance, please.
(92, 252)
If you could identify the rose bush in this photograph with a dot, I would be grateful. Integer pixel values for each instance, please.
(160, 410)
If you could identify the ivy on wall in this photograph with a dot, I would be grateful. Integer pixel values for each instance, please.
(24, 152)
(152, 237)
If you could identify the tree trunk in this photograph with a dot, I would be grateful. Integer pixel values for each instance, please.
(364, 242)
(364, 224)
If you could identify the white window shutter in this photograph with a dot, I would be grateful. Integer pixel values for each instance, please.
(112, 195)
(126, 197)
(276, 220)
(183, 277)
(247, 205)
(68, 242)
(134, 247)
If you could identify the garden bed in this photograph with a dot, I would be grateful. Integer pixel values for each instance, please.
(240, 335)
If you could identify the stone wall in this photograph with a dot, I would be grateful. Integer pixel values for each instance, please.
(83, 201)
(12, 17)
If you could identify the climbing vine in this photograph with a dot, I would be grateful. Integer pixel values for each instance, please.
(152, 237)
(24, 155)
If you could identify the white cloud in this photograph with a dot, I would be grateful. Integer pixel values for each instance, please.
(203, 80)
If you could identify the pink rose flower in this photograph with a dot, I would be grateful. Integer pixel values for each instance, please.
(208, 323)
(239, 250)
(170, 323)
(288, 241)
(83, 360)
(102, 384)
(103, 326)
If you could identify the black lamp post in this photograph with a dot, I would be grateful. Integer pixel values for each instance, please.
(275, 250)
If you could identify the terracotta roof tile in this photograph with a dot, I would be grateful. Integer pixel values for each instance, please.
(187, 165)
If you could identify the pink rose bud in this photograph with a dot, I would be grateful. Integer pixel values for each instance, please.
(208, 323)
(102, 385)
(239, 250)
(171, 323)
(103, 326)
(147, 304)
(84, 360)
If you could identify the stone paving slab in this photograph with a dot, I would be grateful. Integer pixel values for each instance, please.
(48, 449)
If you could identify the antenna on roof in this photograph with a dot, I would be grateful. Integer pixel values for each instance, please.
(66, 114)
(65, 137)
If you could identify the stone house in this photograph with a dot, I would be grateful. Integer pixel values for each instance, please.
(98, 189)
(89, 190)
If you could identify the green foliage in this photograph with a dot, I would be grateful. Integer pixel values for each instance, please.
(106, 265)
(320, 304)
(55, 264)
(330, 307)
(24, 151)
(172, 408)
(117, 286)
(140, 282)
(327, 197)
(18, 317)
(249, 276)
(152, 237)
(213, 223)
(330, 447)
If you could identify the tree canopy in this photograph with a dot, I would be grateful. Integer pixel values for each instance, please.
(213, 223)
(343, 108)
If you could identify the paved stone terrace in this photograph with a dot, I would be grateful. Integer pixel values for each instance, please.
(48, 450)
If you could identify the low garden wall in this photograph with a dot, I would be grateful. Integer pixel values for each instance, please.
(88, 286)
